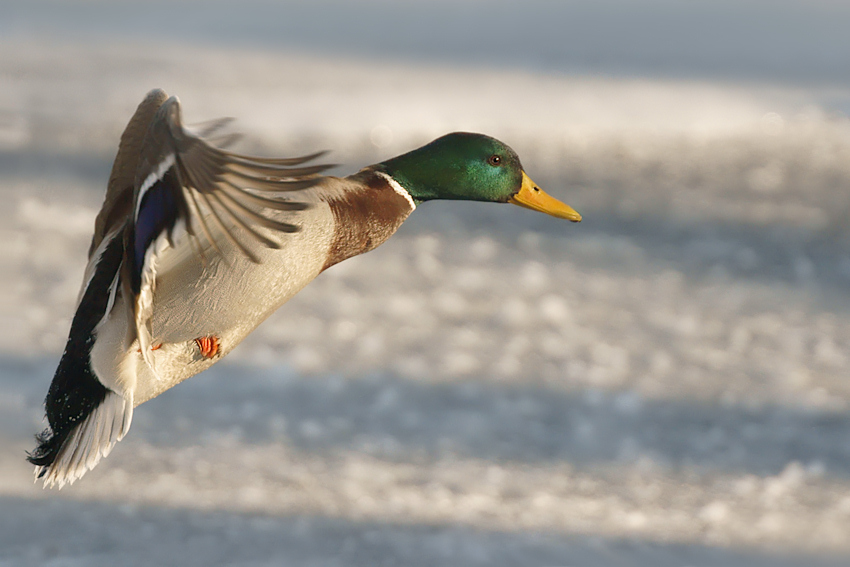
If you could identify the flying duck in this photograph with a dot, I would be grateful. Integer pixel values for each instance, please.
(195, 246)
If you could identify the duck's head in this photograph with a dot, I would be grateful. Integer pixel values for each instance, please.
(471, 167)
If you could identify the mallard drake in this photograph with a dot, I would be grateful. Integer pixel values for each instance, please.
(195, 246)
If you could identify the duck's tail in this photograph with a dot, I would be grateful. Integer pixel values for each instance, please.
(65, 452)
(85, 417)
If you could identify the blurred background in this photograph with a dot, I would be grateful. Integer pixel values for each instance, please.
(664, 384)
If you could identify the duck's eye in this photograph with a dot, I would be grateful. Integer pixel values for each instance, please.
(495, 160)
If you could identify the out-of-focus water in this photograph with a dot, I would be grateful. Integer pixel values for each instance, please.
(756, 40)
(663, 384)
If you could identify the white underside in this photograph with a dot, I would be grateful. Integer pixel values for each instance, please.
(197, 297)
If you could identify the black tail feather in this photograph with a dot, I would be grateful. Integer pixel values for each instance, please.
(74, 394)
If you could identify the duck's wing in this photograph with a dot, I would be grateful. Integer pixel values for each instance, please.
(187, 192)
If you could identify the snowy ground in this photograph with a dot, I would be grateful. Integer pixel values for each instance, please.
(663, 384)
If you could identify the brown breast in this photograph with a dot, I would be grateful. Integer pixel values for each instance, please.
(365, 217)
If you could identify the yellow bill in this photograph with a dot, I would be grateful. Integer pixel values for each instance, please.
(532, 197)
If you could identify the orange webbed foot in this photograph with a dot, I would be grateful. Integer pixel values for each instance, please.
(209, 346)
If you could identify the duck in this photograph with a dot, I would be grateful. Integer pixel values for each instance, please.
(195, 246)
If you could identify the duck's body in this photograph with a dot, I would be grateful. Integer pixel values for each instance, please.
(223, 287)
(173, 286)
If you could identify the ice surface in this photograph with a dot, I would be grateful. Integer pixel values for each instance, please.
(663, 384)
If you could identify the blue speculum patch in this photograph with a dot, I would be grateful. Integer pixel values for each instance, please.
(158, 212)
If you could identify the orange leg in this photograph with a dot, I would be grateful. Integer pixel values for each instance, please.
(209, 346)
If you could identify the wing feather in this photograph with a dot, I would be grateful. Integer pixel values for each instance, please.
(238, 220)
(257, 218)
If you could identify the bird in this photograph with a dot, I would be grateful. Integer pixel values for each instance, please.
(195, 246)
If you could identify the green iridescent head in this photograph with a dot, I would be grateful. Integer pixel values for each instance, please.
(470, 167)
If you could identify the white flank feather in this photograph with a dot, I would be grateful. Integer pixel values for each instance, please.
(144, 308)
(90, 441)
(144, 303)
